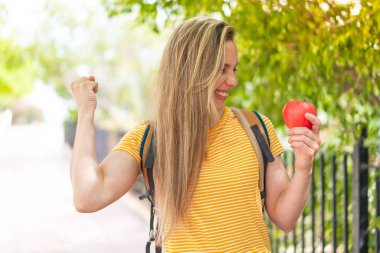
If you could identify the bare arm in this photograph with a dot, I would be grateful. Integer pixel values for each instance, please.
(287, 198)
(96, 185)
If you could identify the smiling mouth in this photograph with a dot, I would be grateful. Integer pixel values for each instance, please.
(221, 94)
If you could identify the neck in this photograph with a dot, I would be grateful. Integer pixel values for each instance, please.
(219, 116)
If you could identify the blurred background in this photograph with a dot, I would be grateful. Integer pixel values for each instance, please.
(323, 51)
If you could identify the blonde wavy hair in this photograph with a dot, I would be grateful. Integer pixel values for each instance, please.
(184, 111)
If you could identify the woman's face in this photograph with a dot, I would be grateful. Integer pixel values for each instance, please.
(227, 79)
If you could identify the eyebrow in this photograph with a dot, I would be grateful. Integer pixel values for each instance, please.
(228, 65)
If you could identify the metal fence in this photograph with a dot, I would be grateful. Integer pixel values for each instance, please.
(343, 207)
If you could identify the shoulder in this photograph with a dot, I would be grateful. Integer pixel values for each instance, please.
(267, 123)
(265, 119)
(276, 147)
(138, 130)
(131, 141)
(132, 138)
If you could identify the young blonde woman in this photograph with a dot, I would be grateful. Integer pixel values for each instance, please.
(205, 171)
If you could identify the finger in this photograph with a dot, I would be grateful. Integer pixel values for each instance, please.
(314, 145)
(93, 86)
(301, 131)
(316, 123)
(86, 78)
(96, 87)
(88, 85)
(301, 146)
(304, 131)
(303, 138)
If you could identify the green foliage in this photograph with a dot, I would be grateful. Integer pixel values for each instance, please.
(52, 66)
(17, 72)
(321, 51)
(17, 68)
(65, 43)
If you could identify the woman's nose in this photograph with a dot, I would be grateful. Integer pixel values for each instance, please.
(232, 81)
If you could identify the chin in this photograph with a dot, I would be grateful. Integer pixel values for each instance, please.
(220, 107)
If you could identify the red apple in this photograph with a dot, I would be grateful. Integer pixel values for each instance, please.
(294, 113)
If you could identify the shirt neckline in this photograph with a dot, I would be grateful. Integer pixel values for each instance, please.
(220, 122)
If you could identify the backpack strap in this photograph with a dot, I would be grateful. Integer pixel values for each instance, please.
(263, 126)
(258, 127)
(146, 163)
(258, 135)
(146, 166)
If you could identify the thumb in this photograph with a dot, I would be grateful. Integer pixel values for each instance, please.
(92, 78)
(94, 87)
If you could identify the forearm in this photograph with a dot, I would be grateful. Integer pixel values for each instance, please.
(292, 201)
(290, 196)
(85, 173)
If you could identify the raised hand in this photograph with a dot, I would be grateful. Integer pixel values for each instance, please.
(84, 92)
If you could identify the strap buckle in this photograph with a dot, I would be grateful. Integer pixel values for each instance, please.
(152, 237)
(144, 196)
(147, 195)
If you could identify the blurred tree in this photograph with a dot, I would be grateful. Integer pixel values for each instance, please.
(81, 43)
(111, 50)
(17, 69)
(17, 72)
(326, 52)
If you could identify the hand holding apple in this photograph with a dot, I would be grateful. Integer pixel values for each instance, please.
(301, 119)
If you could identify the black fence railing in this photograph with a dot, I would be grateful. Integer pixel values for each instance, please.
(343, 209)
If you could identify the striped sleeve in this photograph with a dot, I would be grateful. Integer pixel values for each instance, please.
(131, 141)
(275, 145)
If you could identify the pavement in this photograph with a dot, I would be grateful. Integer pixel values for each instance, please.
(36, 209)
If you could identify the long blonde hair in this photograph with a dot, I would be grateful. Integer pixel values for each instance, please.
(184, 111)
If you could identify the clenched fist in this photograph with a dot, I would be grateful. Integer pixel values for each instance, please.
(84, 92)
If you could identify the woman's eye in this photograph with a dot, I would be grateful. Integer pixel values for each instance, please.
(224, 70)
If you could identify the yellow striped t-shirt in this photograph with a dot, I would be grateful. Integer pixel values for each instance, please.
(225, 214)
